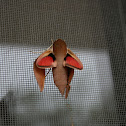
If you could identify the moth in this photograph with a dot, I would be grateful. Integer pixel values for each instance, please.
(62, 61)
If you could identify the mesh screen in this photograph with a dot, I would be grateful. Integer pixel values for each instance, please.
(94, 31)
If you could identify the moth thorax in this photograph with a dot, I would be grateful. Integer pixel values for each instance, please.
(59, 47)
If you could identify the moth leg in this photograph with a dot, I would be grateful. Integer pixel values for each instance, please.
(48, 72)
(67, 90)
(70, 76)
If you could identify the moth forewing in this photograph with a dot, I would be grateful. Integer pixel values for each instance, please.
(40, 76)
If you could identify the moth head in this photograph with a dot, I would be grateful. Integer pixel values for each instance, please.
(59, 47)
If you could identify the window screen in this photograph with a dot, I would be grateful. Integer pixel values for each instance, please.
(94, 31)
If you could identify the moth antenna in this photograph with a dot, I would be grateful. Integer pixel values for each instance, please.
(52, 40)
(50, 46)
(77, 53)
(36, 52)
(46, 49)
(48, 72)
(74, 53)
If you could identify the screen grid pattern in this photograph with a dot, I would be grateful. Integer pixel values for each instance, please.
(27, 27)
